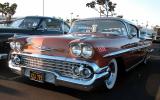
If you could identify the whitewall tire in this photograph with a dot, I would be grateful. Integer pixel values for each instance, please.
(113, 74)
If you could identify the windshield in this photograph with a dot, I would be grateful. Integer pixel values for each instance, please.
(99, 26)
(25, 23)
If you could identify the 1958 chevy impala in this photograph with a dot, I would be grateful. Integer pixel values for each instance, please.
(94, 52)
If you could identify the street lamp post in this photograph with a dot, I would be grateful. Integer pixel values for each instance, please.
(71, 18)
(107, 1)
(146, 24)
(43, 8)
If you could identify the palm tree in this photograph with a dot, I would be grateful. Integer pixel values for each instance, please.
(111, 7)
(2, 9)
(8, 10)
(107, 5)
(13, 9)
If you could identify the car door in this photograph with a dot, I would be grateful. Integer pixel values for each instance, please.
(135, 47)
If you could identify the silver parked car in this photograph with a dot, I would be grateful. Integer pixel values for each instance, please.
(148, 34)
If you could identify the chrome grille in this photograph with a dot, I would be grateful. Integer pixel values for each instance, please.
(63, 68)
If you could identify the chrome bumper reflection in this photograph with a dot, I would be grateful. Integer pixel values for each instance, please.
(51, 76)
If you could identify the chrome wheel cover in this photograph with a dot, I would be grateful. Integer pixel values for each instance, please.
(113, 70)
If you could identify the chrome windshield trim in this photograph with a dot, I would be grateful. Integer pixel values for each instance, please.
(125, 50)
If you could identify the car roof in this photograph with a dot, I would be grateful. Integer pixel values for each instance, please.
(41, 17)
(37, 17)
(106, 18)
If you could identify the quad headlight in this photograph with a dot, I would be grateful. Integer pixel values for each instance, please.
(16, 60)
(76, 50)
(16, 45)
(12, 45)
(82, 72)
(82, 50)
(87, 51)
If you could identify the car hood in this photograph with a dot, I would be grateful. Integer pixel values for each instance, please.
(59, 45)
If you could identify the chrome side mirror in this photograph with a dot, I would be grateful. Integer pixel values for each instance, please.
(133, 34)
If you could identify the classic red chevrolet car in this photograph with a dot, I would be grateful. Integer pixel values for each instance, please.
(94, 52)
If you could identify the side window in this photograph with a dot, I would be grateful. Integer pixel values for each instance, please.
(51, 24)
(65, 28)
(133, 30)
(16, 23)
(30, 22)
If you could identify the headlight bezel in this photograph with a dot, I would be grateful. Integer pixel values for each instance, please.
(73, 52)
(18, 46)
(15, 45)
(12, 45)
(81, 50)
(91, 50)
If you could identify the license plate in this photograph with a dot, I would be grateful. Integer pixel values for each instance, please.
(37, 76)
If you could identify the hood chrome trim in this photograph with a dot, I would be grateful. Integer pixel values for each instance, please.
(44, 49)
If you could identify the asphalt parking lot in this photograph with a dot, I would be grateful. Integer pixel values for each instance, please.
(142, 83)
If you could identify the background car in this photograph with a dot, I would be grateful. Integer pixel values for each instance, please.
(96, 51)
(147, 34)
(5, 23)
(30, 25)
(157, 36)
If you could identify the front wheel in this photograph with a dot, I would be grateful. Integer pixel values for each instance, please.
(113, 74)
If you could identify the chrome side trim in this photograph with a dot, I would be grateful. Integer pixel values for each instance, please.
(125, 50)
(96, 69)
(134, 65)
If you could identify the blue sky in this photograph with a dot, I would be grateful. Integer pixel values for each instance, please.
(142, 10)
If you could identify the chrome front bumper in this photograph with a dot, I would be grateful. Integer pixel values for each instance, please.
(3, 56)
(55, 78)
